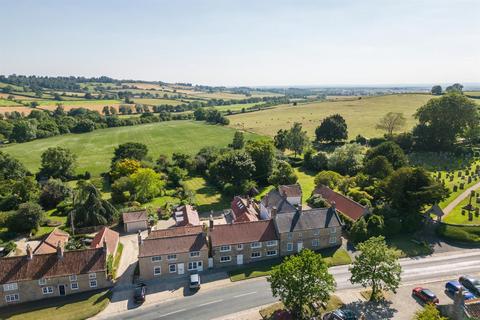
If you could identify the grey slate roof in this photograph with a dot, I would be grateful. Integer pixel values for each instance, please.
(308, 219)
(275, 199)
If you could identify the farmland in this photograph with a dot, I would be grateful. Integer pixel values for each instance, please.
(361, 114)
(158, 101)
(5, 102)
(78, 103)
(95, 149)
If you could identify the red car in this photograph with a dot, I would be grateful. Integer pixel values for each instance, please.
(425, 295)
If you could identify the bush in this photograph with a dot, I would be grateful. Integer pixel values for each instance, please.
(460, 233)
(393, 226)
(373, 142)
(317, 201)
(330, 179)
(315, 162)
(9, 247)
(27, 218)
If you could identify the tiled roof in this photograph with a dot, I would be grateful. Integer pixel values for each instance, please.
(275, 199)
(472, 308)
(134, 216)
(306, 220)
(345, 205)
(13, 269)
(186, 215)
(110, 236)
(174, 232)
(243, 210)
(291, 190)
(173, 245)
(49, 245)
(244, 232)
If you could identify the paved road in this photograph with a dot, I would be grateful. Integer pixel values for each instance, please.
(253, 293)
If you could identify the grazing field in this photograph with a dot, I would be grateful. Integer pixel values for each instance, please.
(94, 107)
(25, 110)
(79, 103)
(5, 102)
(236, 107)
(95, 149)
(361, 115)
(156, 102)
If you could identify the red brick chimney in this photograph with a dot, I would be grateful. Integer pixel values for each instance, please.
(59, 250)
(29, 252)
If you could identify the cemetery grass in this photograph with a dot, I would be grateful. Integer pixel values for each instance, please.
(457, 217)
(361, 115)
(94, 150)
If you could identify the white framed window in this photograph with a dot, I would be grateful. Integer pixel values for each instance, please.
(316, 232)
(271, 243)
(92, 276)
(333, 239)
(290, 246)
(42, 281)
(194, 265)
(256, 245)
(172, 268)
(194, 254)
(225, 248)
(240, 246)
(315, 243)
(256, 254)
(271, 253)
(171, 257)
(156, 258)
(300, 235)
(10, 286)
(290, 236)
(74, 285)
(73, 277)
(333, 230)
(225, 259)
(157, 271)
(47, 290)
(12, 297)
(93, 283)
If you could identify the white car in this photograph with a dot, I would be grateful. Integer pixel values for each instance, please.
(194, 281)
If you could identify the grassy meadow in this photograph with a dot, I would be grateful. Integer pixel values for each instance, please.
(95, 149)
(361, 115)
(156, 102)
(78, 103)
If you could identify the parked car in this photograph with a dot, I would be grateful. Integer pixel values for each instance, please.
(140, 293)
(470, 283)
(425, 295)
(340, 314)
(194, 281)
(452, 287)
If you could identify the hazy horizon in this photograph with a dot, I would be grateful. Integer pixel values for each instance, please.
(247, 43)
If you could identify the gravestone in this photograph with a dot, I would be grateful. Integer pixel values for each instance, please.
(455, 188)
(462, 186)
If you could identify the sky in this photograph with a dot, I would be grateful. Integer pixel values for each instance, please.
(245, 42)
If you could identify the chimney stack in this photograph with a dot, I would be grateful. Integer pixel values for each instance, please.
(59, 250)
(29, 252)
(333, 205)
(139, 236)
(104, 244)
(273, 212)
(149, 230)
(210, 222)
(300, 208)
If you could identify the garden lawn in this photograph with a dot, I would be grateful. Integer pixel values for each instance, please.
(207, 197)
(116, 261)
(335, 257)
(408, 247)
(306, 181)
(74, 307)
(361, 115)
(50, 215)
(94, 150)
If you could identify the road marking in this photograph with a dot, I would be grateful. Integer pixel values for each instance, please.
(211, 302)
(245, 294)
(170, 313)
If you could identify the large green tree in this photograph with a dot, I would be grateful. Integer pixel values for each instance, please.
(410, 190)
(333, 128)
(301, 280)
(90, 209)
(238, 141)
(147, 184)
(58, 163)
(11, 168)
(130, 150)
(391, 122)
(376, 267)
(391, 151)
(281, 140)
(233, 167)
(443, 120)
(262, 153)
(283, 174)
(53, 192)
(297, 139)
(27, 218)
(347, 159)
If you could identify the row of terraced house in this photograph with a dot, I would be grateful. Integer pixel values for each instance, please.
(275, 227)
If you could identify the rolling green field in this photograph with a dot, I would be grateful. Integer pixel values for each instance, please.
(95, 149)
(5, 102)
(78, 102)
(235, 107)
(361, 115)
(156, 102)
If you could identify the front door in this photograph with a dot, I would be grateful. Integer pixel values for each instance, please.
(240, 259)
(61, 289)
(181, 268)
(299, 246)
